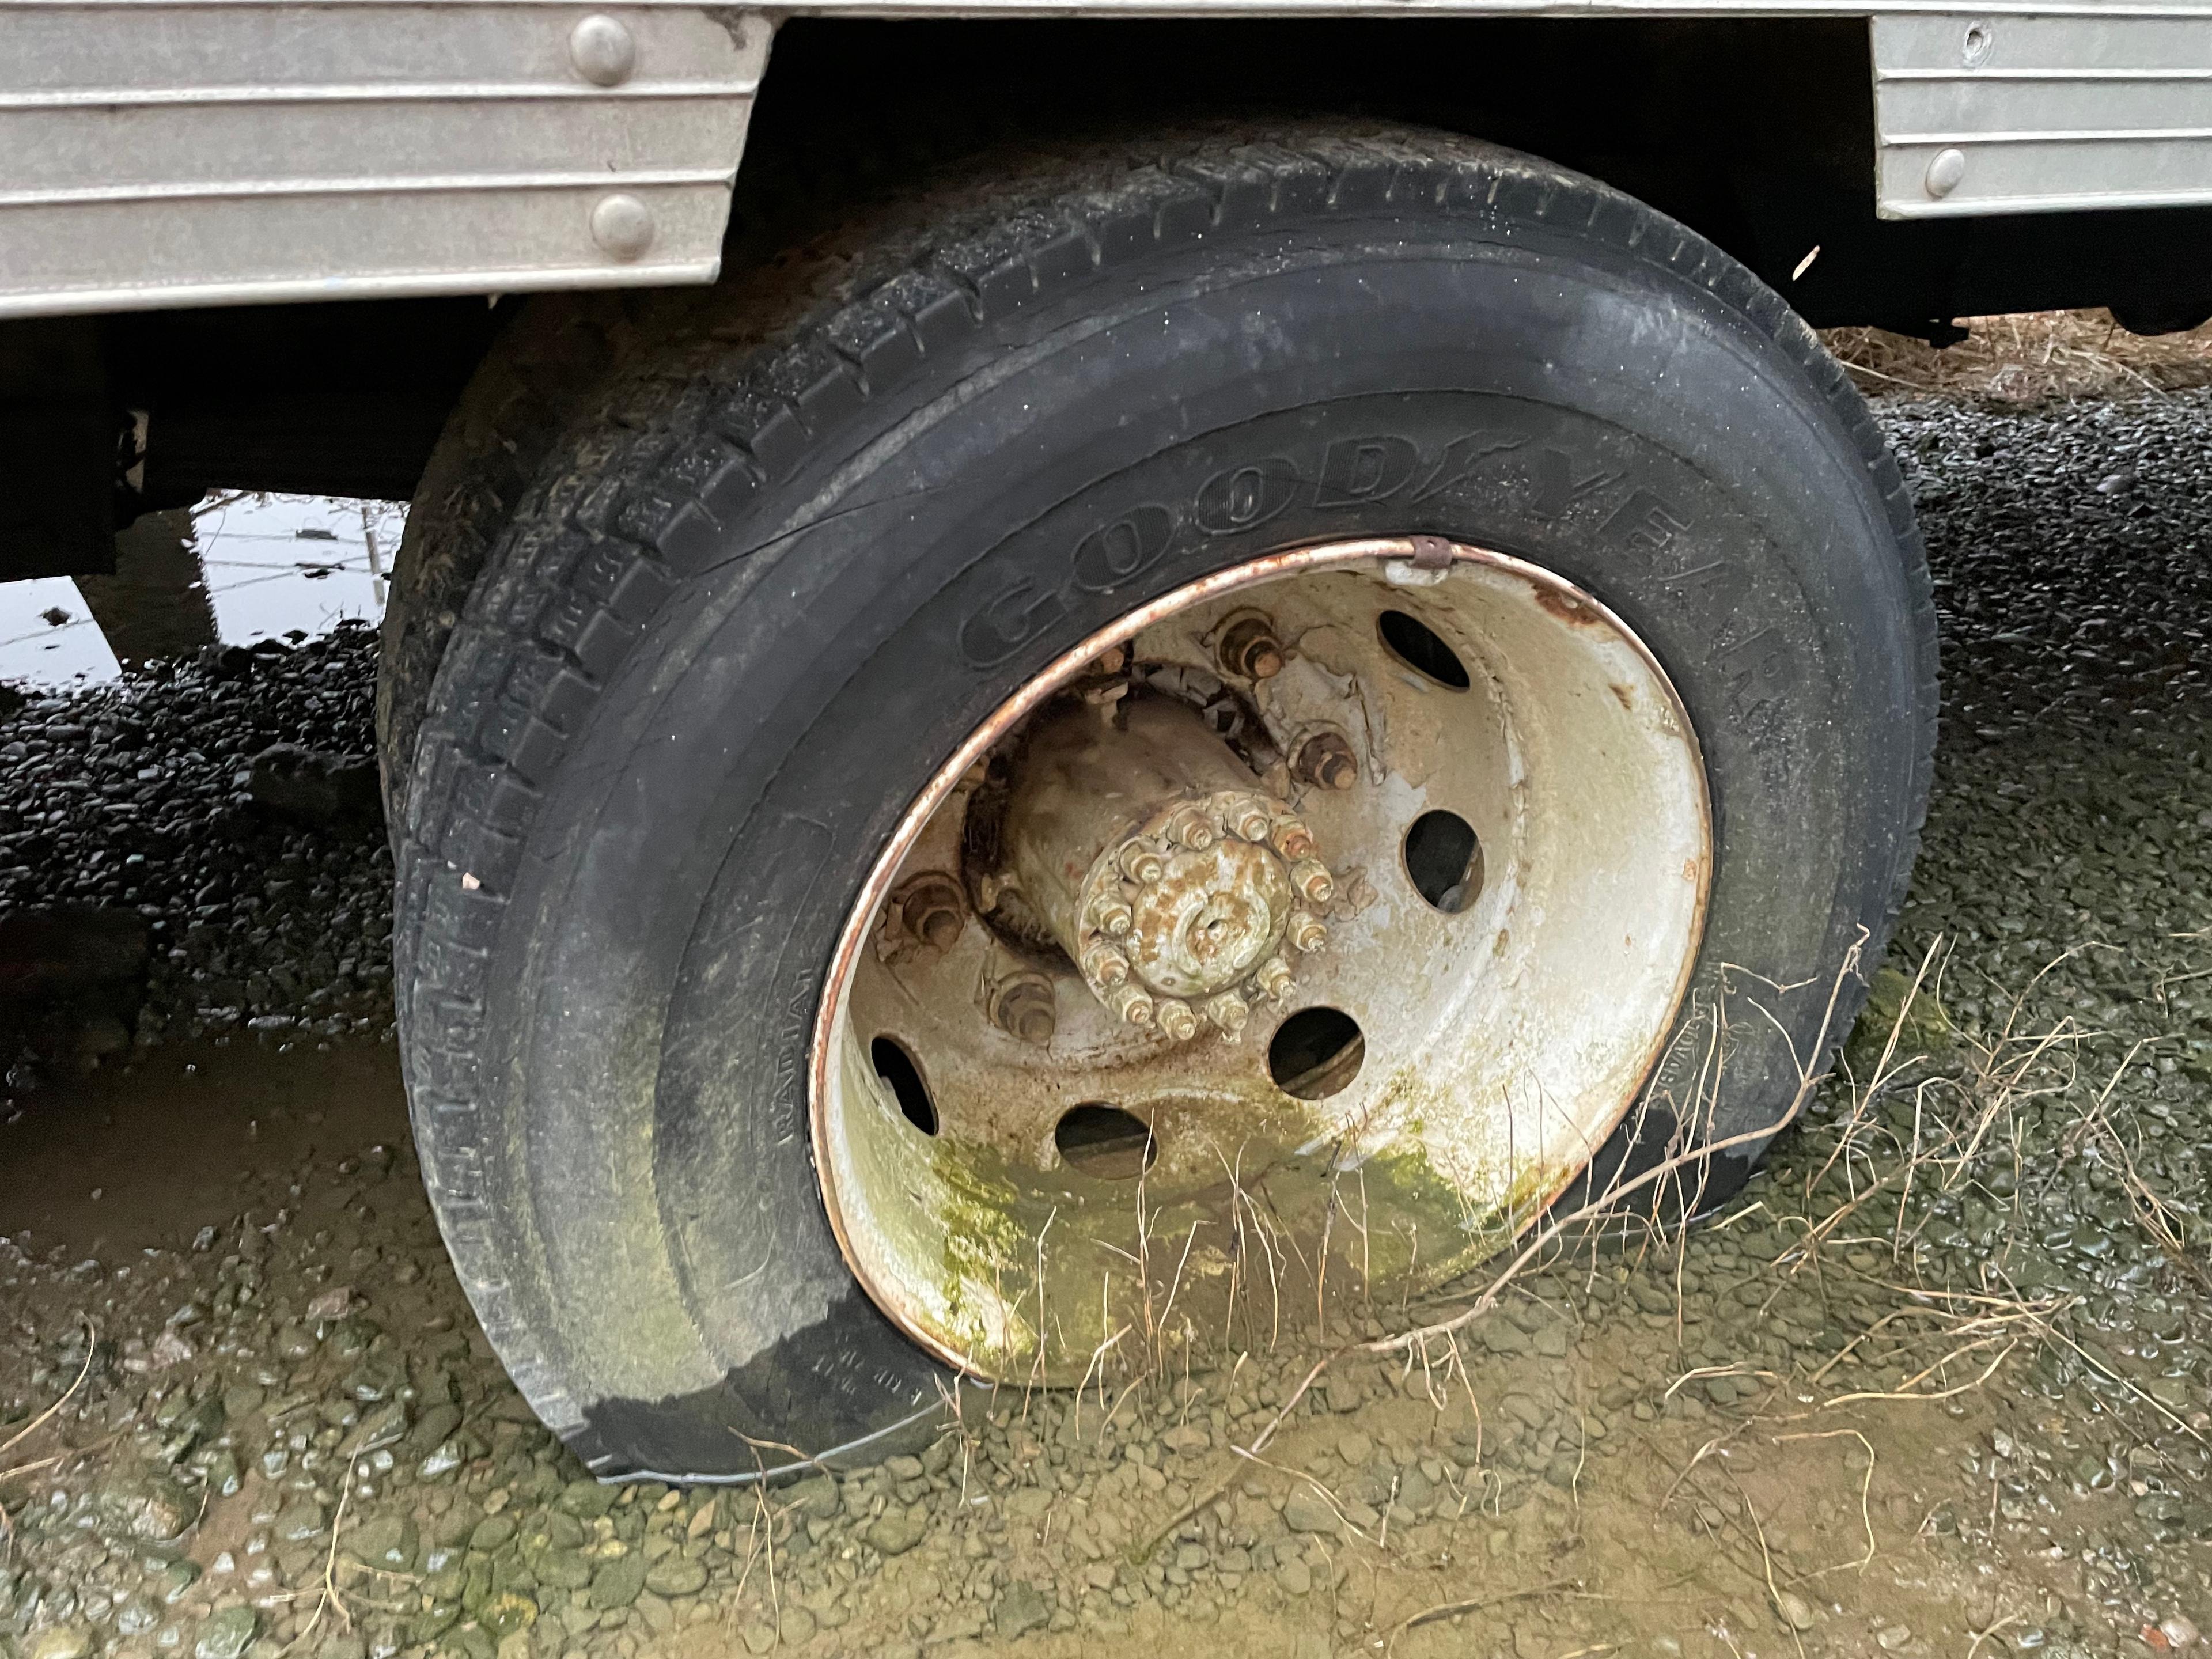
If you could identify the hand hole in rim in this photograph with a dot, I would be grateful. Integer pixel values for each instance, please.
(1444, 858)
(1316, 1053)
(1419, 646)
(1105, 1142)
(897, 1068)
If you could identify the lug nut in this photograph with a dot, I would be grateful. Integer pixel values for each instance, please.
(1190, 829)
(1023, 1006)
(1293, 839)
(932, 910)
(1248, 649)
(1229, 1012)
(1311, 877)
(1249, 820)
(1176, 1018)
(1141, 864)
(1306, 931)
(1326, 759)
(1131, 1005)
(1104, 965)
(1273, 977)
(1113, 914)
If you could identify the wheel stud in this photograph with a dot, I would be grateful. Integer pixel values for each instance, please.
(1142, 865)
(1293, 839)
(933, 910)
(1132, 1004)
(1229, 1012)
(1251, 820)
(1327, 760)
(1190, 829)
(1113, 914)
(1311, 877)
(1023, 1005)
(1248, 649)
(1176, 1019)
(1104, 965)
(1306, 931)
(1273, 977)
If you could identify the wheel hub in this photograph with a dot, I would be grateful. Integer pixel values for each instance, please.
(1177, 886)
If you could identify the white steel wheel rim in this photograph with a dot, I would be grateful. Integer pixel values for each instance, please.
(1499, 1043)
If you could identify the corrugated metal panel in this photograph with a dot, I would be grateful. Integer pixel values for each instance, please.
(1991, 112)
(155, 153)
(188, 152)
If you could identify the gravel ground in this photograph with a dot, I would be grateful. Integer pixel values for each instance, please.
(1934, 1384)
(262, 906)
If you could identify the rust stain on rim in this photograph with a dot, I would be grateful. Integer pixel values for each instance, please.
(1553, 592)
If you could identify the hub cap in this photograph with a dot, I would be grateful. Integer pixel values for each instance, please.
(1298, 938)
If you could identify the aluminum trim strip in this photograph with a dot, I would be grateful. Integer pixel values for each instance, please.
(2066, 77)
(104, 195)
(368, 93)
(2120, 9)
(2079, 202)
(412, 285)
(1970, 139)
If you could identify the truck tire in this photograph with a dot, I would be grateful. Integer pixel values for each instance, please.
(1505, 641)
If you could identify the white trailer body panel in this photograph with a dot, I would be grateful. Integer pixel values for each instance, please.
(2002, 112)
(156, 153)
(161, 153)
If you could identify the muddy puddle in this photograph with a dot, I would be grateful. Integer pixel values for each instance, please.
(1934, 1384)
(236, 568)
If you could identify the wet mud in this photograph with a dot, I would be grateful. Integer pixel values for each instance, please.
(1934, 1383)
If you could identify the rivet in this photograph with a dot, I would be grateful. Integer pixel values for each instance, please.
(602, 50)
(1945, 171)
(622, 225)
(1176, 1019)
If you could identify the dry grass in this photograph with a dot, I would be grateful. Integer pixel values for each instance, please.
(2031, 358)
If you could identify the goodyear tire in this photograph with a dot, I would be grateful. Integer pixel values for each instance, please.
(793, 546)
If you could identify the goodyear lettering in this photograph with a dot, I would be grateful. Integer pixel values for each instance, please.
(1718, 585)
(1557, 489)
(1126, 548)
(1009, 622)
(1244, 497)
(1645, 523)
(1761, 671)
(1460, 459)
(1348, 472)
(1356, 470)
